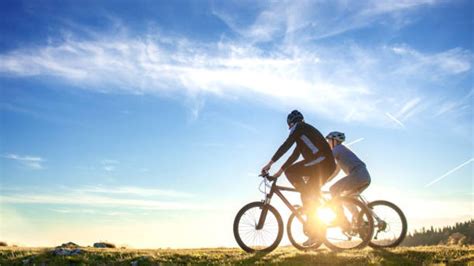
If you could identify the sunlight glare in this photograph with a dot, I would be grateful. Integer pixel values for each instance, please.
(326, 215)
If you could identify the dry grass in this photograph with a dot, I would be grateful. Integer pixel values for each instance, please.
(429, 255)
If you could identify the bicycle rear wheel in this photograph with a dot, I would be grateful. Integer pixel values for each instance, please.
(390, 224)
(350, 226)
(252, 239)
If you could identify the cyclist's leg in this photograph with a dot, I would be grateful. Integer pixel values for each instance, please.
(351, 183)
(295, 174)
(337, 189)
(354, 181)
(319, 173)
(310, 197)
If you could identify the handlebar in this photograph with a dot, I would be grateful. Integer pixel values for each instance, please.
(268, 176)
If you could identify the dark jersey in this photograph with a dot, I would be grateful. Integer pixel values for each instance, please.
(309, 143)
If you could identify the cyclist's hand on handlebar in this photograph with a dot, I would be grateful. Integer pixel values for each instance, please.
(267, 167)
(267, 176)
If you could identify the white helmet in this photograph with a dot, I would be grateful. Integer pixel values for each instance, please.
(339, 136)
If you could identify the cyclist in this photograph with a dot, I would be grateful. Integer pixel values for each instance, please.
(308, 175)
(357, 177)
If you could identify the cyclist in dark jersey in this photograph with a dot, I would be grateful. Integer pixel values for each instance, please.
(309, 174)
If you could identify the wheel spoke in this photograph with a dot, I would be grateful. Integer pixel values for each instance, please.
(394, 225)
(262, 238)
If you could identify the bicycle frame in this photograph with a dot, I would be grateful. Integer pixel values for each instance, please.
(359, 197)
(366, 203)
(275, 189)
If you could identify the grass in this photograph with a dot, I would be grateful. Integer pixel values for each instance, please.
(425, 255)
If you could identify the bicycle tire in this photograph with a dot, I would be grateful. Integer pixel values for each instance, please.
(291, 238)
(402, 217)
(364, 210)
(238, 219)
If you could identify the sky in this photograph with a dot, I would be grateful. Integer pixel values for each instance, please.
(146, 123)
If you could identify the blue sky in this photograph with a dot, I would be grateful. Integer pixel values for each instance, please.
(149, 120)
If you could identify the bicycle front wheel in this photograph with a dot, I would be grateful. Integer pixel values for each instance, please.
(349, 224)
(390, 224)
(295, 231)
(247, 233)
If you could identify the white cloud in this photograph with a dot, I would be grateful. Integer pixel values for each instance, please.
(83, 211)
(453, 61)
(332, 82)
(408, 109)
(138, 191)
(457, 106)
(109, 165)
(32, 162)
(386, 6)
(99, 197)
(303, 20)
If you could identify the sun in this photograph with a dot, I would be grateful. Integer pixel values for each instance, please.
(326, 215)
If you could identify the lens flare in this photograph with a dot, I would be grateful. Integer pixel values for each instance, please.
(326, 215)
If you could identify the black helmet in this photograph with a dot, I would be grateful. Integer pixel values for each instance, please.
(294, 117)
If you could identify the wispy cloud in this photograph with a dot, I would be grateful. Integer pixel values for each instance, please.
(347, 80)
(32, 162)
(313, 19)
(85, 211)
(109, 165)
(462, 105)
(137, 191)
(95, 197)
(408, 109)
(102, 201)
(443, 63)
(450, 172)
(354, 141)
(394, 119)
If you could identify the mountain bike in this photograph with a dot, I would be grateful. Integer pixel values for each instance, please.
(258, 226)
(390, 224)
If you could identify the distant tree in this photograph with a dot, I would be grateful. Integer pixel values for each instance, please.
(436, 236)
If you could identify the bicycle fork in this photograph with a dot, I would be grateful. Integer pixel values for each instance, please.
(263, 214)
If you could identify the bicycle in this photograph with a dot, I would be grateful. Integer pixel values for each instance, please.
(390, 224)
(255, 230)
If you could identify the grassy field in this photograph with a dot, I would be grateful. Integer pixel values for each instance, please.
(437, 255)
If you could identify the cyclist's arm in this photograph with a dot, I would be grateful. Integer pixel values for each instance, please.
(284, 148)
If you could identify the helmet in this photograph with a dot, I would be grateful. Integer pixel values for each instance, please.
(294, 117)
(339, 136)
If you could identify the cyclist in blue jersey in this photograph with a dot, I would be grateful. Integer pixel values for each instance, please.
(309, 174)
(357, 177)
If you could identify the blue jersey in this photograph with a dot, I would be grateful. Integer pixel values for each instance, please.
(346, 159)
